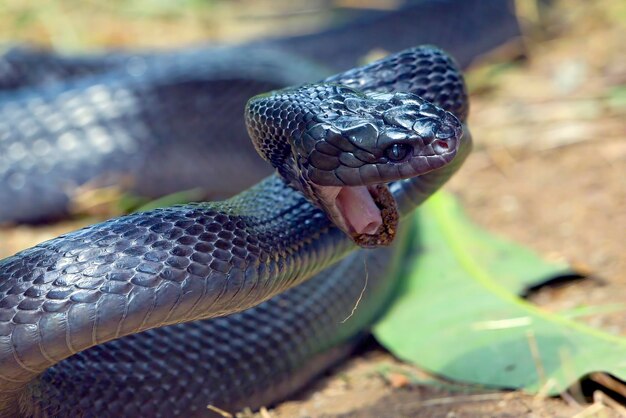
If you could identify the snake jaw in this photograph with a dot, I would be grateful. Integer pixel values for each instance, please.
(367, 214)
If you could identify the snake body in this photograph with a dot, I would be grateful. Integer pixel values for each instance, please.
(75, 296)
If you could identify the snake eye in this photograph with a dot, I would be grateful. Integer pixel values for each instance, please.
(397, 152)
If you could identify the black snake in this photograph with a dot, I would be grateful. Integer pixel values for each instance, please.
(336, 143)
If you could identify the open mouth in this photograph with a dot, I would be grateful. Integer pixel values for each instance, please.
(368, 214)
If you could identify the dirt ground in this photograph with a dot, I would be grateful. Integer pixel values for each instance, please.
(548, 171)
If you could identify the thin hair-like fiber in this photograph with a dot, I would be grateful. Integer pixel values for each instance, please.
(356, 304)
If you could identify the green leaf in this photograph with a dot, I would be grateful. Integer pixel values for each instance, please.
(459, 315)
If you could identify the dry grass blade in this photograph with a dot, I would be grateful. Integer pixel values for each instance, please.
(590, 411)
(451, 400)
(603, 398)
(220, 411)
(609, 382)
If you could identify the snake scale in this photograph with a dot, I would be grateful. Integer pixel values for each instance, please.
(233, 303)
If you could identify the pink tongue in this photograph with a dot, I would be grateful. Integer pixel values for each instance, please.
(359, 210)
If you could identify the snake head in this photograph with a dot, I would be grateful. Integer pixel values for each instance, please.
(358, 143)
(340, 147)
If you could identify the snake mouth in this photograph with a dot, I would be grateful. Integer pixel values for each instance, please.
(368, 214)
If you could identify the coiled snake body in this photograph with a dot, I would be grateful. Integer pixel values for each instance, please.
(354, 155)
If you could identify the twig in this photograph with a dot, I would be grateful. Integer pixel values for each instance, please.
(609, 383)
(545, 389)
(534, 351)
(590, 411)
(574, 395)
(220, 411)
(448, 400)
(264, 412)
(570, 400)
(603, 398)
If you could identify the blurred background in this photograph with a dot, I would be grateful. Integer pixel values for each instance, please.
(549, 167)
(73, 26)
(85, 26)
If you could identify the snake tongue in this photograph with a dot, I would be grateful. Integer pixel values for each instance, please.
(359, 210)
